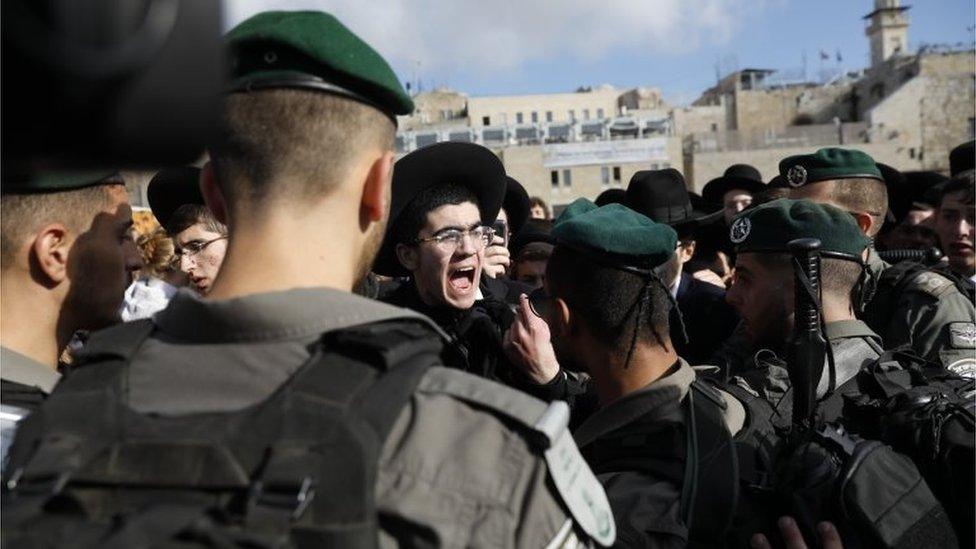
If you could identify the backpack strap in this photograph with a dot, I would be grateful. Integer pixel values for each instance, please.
(691, 448)
(711, 479)
(369, 373)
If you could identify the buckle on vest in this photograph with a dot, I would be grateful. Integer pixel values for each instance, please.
(52, 484)
(282, 497)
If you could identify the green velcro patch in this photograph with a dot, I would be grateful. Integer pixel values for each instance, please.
(931, 283)
(962, 335)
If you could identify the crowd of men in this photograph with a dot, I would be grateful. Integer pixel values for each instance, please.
(326, 346)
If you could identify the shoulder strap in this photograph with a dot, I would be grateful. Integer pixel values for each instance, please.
(710, 490)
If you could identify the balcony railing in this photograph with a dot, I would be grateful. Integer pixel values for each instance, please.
(534, 134)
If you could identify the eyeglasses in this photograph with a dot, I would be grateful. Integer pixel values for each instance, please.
(194, 247)
(449, 240)
(540, 303)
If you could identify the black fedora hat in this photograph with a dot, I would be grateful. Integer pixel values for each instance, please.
(171, 188)
(924, 187)
(699, 204)
(611, 196)
(535, 230)
(898, 190)
(466, 164)
(962, 158)
(736, 176)
(516, 204)
(662, 196)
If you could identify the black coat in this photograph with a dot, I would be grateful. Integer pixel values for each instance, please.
(708, 319)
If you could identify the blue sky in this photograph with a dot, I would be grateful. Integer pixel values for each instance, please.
(539, 46)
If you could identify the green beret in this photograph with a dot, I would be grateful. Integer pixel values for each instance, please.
(49, 182)
(614, 235)
(577, 207)
(771, 226)
(312, 50)
(827, 164)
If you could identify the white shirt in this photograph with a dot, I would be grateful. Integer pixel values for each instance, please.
(146, 297)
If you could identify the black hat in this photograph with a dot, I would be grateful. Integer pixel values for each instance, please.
(516, 204)
(962, 158)
(534, 231)
(611, 196)
(737, 176)
(466, 164)
(923, 187)
(700, 205)
(662, 196)
(171, 188)
(899, 194)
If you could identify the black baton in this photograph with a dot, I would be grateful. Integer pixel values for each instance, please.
(808, 349)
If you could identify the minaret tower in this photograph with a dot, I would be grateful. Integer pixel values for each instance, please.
(887, 30)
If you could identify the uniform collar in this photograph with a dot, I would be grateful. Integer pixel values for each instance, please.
(27, 371)
(849, 328)
(647, 401)
(296, 313)
(874, 263)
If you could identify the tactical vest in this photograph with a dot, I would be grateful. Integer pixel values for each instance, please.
(296, 470)
(877, 496)
(691, 448)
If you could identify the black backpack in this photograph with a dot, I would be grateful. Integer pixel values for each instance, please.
(875, 495)
(695, 454)
(926, 412)
(295, 470)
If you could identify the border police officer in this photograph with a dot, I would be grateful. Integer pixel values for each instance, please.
(323, 417)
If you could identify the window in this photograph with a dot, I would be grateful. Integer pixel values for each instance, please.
(567, 178)
(518, 118)
(548, 116)
(604, 175)
(486, 121)
(572, 116)
(616, 174)
(714, 127)
(535, 117)
(586, 114)
(554, 178)
(599, 113)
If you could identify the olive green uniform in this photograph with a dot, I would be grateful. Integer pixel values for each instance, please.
(933, 317)
(853, 344)
(453, 471)
(648, 510)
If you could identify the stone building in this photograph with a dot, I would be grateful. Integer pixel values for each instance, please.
(908, 109)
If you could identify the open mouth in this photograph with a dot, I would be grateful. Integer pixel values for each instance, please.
(960, 248)
(462, 279)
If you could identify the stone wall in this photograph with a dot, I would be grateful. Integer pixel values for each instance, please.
(699, 119)
(525, 164)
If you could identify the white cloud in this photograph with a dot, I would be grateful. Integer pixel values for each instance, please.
(450, 35)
